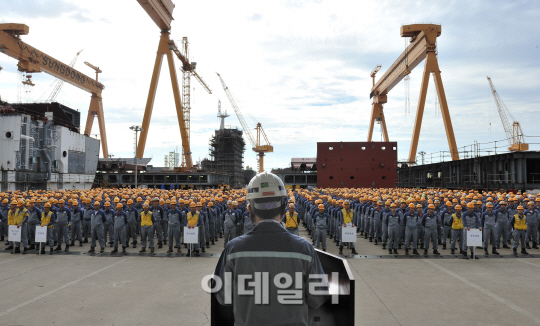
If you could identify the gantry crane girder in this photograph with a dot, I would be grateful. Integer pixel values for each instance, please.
(31, 60)
(423, 39)
(160, 11)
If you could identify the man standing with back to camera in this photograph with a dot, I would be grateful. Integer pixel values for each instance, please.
(269, 249)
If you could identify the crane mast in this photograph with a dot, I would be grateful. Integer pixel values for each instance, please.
(513, 131)
(257, 147)
(59, 83)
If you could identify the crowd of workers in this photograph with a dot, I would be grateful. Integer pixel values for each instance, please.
(399, 217)
(391, 217)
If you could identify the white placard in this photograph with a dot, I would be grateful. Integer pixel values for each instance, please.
(348, 234)
(41, 234)
(14, 233)
(191, 235)
(474, 238)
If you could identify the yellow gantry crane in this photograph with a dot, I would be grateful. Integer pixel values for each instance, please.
(161, 13)
(514, 134)
(31, 60)
(261, 135)
(423, 45)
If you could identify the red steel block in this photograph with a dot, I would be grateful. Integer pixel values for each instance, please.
(356, 164)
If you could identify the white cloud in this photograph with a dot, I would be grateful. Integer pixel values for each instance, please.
(301, 68)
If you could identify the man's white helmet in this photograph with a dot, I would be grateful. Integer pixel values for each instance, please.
(265, 185)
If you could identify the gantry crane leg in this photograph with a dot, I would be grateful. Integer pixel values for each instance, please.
(430, 66)
(96, 109)
(163, 49)
(377, 111)
(261, 162)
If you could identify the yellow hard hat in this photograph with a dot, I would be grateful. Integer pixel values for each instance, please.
(458, 207)
(520, 207)
(47, 205)
(431, 206)
(321, 206)
(470, 205)
(119, 205)
(129, 202)
(107, 203)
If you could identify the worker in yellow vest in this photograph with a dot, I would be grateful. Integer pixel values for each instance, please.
(47, 219)
(291, 220)
(345, 217)
(19, 217)
(147, 229)
(11, 216)
(519, 222)
(457, 232)
(194, 222)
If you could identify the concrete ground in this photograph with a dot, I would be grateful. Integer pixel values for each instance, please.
(82, 289)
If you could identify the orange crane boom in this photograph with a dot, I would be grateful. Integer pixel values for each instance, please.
(256, 143)
(514, 134)
(423, 45)
(31, 60)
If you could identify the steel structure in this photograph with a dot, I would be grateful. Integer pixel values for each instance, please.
(423, 45)
(514, 134)
(261, 135)
(161, 13)
(31, 60)
(59, 82)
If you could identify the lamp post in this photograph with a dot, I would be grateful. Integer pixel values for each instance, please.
(136, 129)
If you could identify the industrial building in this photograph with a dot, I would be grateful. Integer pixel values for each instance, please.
(227, 155)
(42, 148)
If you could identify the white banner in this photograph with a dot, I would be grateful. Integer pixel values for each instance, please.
(348, 234)
(191, 235)
(41, 234)
(474, 238)
(14, 233)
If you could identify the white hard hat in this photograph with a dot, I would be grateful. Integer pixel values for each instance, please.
(266, 185)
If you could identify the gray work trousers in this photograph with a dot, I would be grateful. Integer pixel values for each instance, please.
(50, 239)
(293, 231)
(174, 234)
(76, 231)
(87, 228)
(158, 230)
(455, 235)
(502, 231)
(532, 233)
(147, 232)
(230, 233)
(98, 233)
(430, 234)
(447, 230)
(32, 233)
(62, 233)
(320, 236)
(165, 229)
(108, 228)
(120, 233)
(131, 232)
(519, 235)
(411, 234)
(489, 231)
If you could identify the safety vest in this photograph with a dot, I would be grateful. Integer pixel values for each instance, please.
(291, 222)
(20, 215)
(146, 218)
(46, 219)
(520, 222)
(457, 222)
(12, 217)
(192, 219)
(347, 217)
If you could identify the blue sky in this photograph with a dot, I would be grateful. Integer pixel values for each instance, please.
(301, 68)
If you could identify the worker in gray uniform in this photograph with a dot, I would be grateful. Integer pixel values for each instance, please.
(410, 221)
(488, 222)
(4, 223)
(87, 221)
(212, 222)
(147, 228)
(270, 249)
(377, 222)
(97, 219)
(157, 214)
(503, 221)
(532, 226)
(431, 223)
(229, 218)
(34, 219)
(320, 222)
(63, 218)
(446, 219)
(393, 226)
(120, 222)
(108, 226)
(249, 224)
(131, 227)
(519, 223)
(176, 219)
(76, 223)
(470, 221)
(384, 214)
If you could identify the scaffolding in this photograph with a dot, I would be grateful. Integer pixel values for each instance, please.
(227, 155)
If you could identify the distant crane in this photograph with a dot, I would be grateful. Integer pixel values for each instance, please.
(222, 115)
(514, 134)
(257, 147)
(59, 82)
